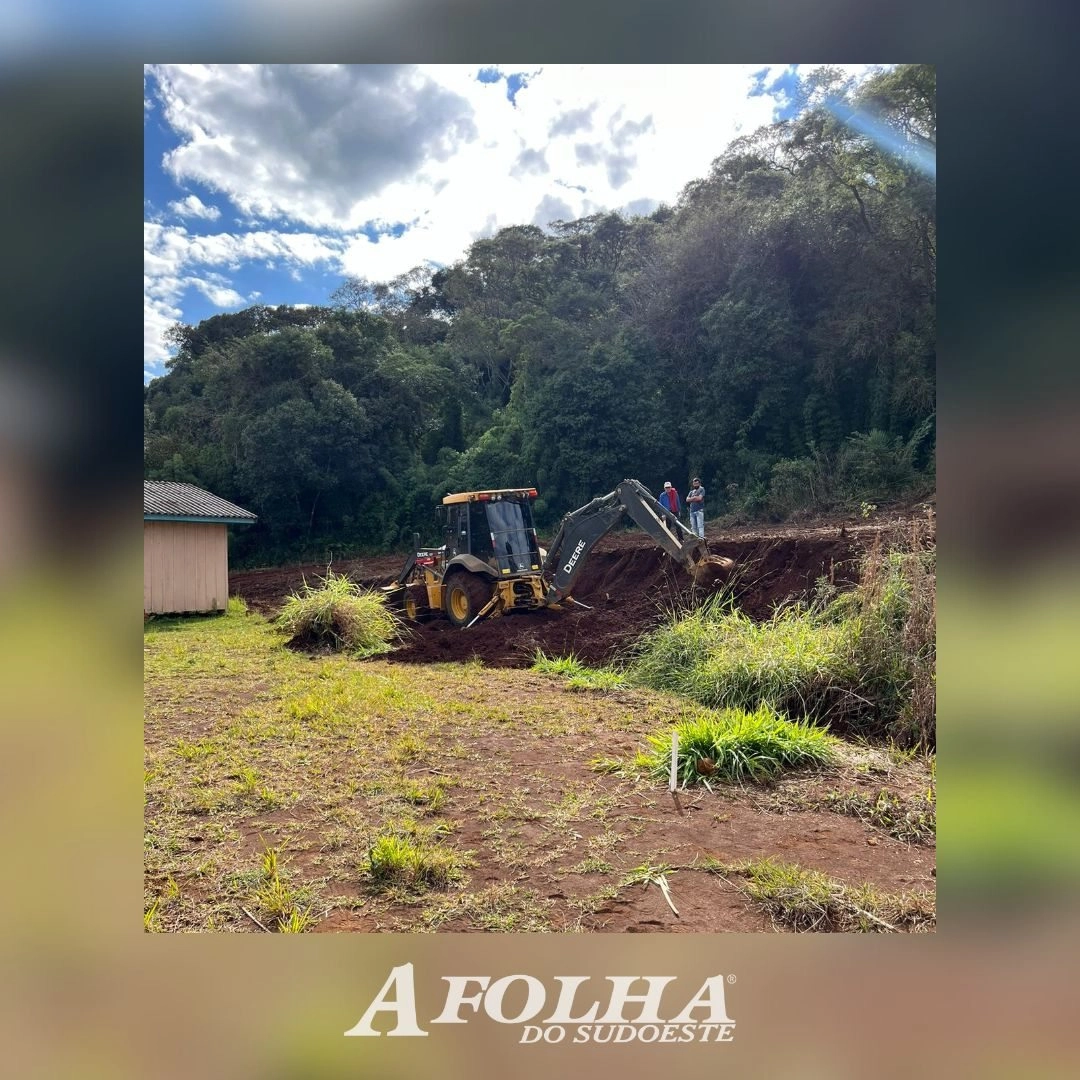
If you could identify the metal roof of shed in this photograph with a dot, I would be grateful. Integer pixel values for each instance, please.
(166, 500)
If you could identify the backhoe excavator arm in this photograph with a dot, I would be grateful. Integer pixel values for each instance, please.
(581, 529)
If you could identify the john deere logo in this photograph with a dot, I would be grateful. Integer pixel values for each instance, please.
(574, 558)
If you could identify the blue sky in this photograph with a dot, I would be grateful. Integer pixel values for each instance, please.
(271, 184)
(784, 87)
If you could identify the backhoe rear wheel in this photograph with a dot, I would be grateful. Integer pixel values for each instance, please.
(465, 595)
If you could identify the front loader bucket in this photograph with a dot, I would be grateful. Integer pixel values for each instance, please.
(394, 596)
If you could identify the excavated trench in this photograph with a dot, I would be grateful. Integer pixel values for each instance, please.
(627, 583)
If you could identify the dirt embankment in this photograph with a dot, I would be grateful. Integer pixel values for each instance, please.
(628, 585)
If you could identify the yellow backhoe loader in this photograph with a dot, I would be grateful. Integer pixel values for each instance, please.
(491, 562)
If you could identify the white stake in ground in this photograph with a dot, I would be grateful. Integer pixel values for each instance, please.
(674, 763)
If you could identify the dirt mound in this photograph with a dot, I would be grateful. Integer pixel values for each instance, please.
(628, 585)
(771, 571)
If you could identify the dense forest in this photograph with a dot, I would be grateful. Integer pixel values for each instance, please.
(773, 331)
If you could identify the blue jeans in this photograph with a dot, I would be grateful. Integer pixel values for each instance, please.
(697, 521)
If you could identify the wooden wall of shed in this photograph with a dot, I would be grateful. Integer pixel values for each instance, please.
(185, 567)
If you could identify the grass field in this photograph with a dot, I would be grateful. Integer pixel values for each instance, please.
(291, 793)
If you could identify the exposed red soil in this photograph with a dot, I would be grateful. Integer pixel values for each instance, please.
(534, 856)
(727, 825)
(627, 583)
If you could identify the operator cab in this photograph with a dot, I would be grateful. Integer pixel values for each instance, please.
(496, 527)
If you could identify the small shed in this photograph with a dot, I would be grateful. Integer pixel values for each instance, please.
(185, 547)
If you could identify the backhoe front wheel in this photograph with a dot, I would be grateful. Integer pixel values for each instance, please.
(416, 603)
(465, 596)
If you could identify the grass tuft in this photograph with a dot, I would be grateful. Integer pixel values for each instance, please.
(861, 661)
(432, 797)
(410, 856)
(577, 675)
(275, 898)
(339, 615)
(734, 745)
(297, 922)
(807, 900)
(913, 820)
(653, 875)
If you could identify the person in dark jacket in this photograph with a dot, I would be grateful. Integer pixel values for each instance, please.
(669, 498)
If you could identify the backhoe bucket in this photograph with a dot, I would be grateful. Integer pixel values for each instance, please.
(711, 569)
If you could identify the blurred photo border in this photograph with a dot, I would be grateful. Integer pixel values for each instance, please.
(88, 991)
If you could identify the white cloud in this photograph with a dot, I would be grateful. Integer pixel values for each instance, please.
(175, 260)
(218, 294)
(158, 315)
(333, 148)
(572, 121)
(328, 150)
(309, 143)
(193, 206)
(552, 208)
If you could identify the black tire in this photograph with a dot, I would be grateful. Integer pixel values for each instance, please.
(464, 595)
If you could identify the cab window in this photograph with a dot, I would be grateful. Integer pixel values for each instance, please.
(481, 535)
